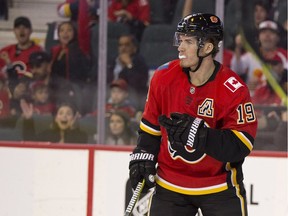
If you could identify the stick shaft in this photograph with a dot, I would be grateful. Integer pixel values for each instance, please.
(134, 198)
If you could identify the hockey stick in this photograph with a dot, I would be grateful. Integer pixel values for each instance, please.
(134, 198)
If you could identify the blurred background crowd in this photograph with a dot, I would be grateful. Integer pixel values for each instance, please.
(48, 88)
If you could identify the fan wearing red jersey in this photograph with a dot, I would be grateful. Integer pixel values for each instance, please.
(197, 128)
(14, 58)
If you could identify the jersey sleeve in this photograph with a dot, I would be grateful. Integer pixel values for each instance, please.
(149, 132)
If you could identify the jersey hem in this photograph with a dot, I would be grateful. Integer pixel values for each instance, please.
(191, 191)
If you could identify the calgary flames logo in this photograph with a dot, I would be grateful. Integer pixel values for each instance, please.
(214, 19)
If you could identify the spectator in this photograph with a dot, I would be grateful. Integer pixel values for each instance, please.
(119, 99)
(268, 48)
(60, 89)
(68, 61)
(40, 67)
(239, 53)
(10, 100)
(265, 95)
(71, 64)
(135, 13)
(268, 109)
(130, 66)
(278, 13)
(269, 42)
(41, 98)
(260, 14)
(21, 91)
(120, 131)
(83, 14)
(63, 129)
(14, 57)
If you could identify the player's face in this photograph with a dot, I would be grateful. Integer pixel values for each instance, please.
(188, 51)
(22, 34)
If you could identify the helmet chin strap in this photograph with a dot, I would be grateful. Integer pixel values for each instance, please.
(200, 60)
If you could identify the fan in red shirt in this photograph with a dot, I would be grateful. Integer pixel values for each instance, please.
(135, 13)
(264, 94)
(198, 126)
(14, 58)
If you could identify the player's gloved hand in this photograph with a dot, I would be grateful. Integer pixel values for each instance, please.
(142, 166)
(182, 129)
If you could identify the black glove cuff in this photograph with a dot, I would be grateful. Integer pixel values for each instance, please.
(139, 155)
(201, 138)
(193, 134)
(142, 166)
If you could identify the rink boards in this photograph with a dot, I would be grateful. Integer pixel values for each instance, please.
(44, 179)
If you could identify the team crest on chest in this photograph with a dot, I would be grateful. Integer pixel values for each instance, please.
(206, 108)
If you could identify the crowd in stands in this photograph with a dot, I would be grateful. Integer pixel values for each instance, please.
(60, 80)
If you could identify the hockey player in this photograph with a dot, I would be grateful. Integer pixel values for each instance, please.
(197, 127)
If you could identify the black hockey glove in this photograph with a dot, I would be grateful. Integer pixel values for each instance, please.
(183, 129)
(142, 166)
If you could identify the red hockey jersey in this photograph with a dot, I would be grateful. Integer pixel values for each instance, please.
(139, 9)
(19, 58)
(224, 103)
